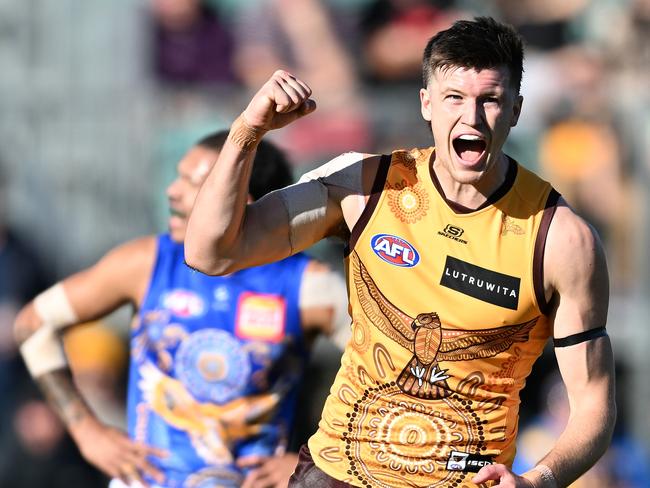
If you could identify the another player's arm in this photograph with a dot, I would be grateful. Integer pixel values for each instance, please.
(224, 233)
(119, 277)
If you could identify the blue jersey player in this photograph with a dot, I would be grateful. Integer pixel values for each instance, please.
(215, 361)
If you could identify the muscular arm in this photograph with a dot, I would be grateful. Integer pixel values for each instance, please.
(225, 234)
(576, 270)
(575, 277)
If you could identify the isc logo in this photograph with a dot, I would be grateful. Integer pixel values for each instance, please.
(395, 250)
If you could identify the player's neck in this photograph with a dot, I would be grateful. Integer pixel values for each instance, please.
(471, 192)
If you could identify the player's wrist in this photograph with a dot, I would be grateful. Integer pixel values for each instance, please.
(541, 476)
(245, 135)
(84, 428)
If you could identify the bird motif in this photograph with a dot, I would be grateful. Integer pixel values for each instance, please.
(508, 224)
(428, 340)
(212, 428)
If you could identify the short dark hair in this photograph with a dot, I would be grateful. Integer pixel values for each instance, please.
(271, 168)
(481, 43)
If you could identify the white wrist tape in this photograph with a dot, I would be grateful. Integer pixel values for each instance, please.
(546, 475)
(327, 289)
(306, 201)
(43, 350)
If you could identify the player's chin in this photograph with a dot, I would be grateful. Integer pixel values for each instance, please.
(177, 231)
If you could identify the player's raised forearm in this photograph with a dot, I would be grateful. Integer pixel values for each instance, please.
(223, 234)
(215, 225)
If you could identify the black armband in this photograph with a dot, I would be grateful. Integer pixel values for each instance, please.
(585, 336)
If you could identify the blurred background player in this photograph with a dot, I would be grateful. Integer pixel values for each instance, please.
(215, 361)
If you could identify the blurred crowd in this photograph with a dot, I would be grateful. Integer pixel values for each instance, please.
(69, 190)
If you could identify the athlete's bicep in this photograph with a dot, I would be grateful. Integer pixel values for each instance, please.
(291, 219)
(120, 277)
(576, 268)
(287, 221)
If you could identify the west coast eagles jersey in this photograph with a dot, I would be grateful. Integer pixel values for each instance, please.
(447, 320)
(214, 366)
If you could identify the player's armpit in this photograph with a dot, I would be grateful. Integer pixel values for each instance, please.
(323, 303)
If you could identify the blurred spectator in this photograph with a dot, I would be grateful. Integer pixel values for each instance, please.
(544, 25)
(37, 451)
(409, 24)
(191, 42)
(300, 37)
(21, 276)
(581, 152)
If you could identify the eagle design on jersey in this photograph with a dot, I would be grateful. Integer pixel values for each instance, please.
(212, 428)
(428, 340)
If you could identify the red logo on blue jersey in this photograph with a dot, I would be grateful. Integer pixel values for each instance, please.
(183, 303)
(395, 250)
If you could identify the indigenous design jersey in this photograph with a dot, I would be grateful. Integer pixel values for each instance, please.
(215, 363)
(446, 327)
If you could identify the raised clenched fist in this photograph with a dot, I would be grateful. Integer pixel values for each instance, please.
(281, 100)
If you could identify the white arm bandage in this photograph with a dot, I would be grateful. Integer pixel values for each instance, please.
(306, 201)
(327, 289)
(43, 350)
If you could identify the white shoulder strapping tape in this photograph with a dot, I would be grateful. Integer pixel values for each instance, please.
(306, 200)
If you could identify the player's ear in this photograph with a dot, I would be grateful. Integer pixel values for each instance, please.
(425, 104)
(516, 110)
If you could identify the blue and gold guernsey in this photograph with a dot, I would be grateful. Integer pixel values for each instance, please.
(215, 362)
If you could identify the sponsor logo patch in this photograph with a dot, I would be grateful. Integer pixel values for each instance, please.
(260, 317)
(452, 232)
(395, 250)
(481, 283)
(183, 303)
(469, 463)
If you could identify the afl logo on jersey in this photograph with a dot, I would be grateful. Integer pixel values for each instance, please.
(183, 303)
(395, 250)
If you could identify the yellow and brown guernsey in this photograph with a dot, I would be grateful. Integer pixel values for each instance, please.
(448, 316)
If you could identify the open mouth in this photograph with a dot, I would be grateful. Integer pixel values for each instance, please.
(469, 148)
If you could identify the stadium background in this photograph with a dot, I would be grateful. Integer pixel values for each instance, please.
(99, 99)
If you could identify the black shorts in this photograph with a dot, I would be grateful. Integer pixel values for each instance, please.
(308, 475)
